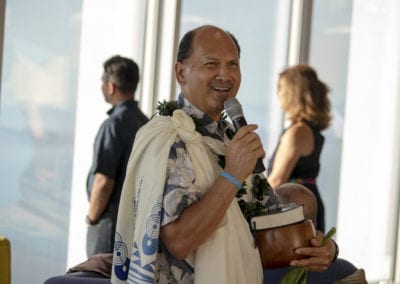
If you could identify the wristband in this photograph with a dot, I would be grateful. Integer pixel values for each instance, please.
(337, 251)
(232, 179)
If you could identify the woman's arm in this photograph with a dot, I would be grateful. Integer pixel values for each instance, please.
(296, 142)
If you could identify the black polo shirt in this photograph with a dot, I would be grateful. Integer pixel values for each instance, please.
(113, 145)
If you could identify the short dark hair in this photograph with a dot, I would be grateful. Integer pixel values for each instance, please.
(123, 72)
(186, 43)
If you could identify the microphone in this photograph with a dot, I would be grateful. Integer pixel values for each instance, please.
(234, 110)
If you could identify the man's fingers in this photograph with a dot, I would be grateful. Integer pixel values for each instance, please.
(243, 131)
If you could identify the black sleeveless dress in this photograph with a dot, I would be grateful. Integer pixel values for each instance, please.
(306, 171)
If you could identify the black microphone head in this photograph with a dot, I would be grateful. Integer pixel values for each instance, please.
(233, 108)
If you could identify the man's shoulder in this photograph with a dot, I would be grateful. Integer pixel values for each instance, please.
(159, 128)
(127, 119)
(141, 117)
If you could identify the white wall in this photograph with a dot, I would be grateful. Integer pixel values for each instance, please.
(368, 200)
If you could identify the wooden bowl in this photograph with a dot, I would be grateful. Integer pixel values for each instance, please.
(277, 245)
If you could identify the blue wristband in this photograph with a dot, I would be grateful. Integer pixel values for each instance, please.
(232, 179)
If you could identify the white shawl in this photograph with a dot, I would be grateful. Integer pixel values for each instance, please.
(228, 256)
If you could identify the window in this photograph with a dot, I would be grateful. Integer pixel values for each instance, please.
(261, 29)
(330, 34)
(37, 121)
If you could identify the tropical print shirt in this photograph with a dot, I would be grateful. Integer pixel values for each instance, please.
(180, 190)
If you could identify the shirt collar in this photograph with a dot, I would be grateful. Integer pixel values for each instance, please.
(207, 127)
(120, 106)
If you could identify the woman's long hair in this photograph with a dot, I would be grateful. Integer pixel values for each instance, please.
(307, 96)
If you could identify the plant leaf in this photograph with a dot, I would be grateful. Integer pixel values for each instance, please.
(298, 275)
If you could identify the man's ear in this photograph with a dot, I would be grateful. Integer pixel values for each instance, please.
(180, 73)
(111, 87)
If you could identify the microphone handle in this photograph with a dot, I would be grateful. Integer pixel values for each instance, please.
(239, 122)
(259, 166)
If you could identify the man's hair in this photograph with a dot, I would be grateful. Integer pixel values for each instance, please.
(186, 44)
(123, 72)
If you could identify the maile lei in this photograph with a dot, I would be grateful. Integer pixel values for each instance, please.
(259, 184)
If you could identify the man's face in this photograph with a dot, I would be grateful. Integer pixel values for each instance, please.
(105, 88)
(211, 74)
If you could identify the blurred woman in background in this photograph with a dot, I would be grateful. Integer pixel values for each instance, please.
(304, 100)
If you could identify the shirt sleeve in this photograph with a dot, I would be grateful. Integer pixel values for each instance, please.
(180, 191)
(109, 149)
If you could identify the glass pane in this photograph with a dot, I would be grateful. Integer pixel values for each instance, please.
(330, 34)
(256, 26)
(37, 120)
(358, 49)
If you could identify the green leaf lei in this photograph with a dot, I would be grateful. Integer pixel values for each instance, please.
(167, 109)
(259, 186)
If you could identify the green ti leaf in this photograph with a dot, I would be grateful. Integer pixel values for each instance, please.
(298, 275)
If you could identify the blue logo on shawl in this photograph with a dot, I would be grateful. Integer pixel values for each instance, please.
(121, 260)
(144, 259)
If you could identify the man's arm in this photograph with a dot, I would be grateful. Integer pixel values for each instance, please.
(100, 194)
(199, 221)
